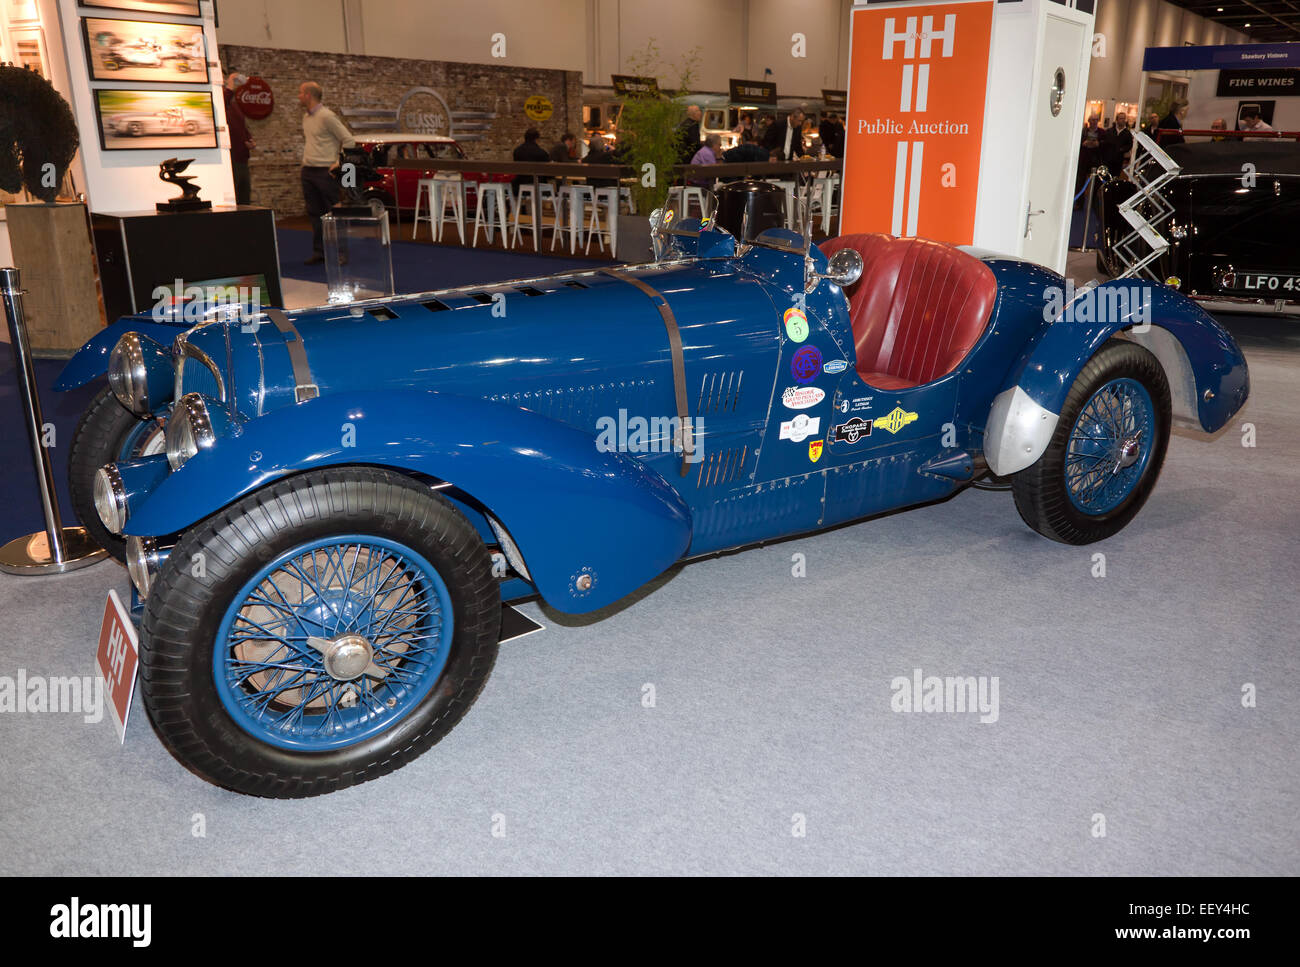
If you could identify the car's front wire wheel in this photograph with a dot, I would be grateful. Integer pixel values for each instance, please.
(1106, 453)
(318, 633)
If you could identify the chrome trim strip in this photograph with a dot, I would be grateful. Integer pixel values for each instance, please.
(183, 350)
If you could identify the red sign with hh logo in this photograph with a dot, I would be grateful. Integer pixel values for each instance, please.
(917, 78)
(255, 99)
(117, 659)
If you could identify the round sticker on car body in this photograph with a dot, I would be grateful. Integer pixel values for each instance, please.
(796, 324)
(806, 364)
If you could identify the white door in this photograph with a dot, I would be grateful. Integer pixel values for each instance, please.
(1054, 153)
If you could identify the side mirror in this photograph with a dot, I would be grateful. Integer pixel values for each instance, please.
(844, 269)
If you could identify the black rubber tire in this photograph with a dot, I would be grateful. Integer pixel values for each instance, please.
(183, 613)
(100, 435)
(1040, 490)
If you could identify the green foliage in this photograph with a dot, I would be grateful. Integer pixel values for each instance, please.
(648, 126)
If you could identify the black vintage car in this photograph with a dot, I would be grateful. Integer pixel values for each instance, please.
(1235, 231)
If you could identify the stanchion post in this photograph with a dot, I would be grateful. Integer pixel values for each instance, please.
(1087, 210)
(57, 548)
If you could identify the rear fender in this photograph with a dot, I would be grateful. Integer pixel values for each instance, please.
(1208, 379)
(91, 360)
(573, 511)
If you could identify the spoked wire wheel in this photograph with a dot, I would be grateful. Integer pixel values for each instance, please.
(343, 621)
(1110, 446)
(1105, 455)
(333, 642)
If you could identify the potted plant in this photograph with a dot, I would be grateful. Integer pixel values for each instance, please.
(650, 141)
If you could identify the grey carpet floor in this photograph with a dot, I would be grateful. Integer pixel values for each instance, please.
(1119, 697)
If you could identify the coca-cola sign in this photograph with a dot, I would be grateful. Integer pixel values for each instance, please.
(255, 98)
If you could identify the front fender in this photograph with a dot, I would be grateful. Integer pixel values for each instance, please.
(570, 508)
(91, 360)
(1208, 378)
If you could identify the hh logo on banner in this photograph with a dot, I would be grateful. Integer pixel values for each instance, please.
(916, 117)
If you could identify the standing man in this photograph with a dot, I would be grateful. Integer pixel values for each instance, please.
(240, 140)
(690, 133)
(325, 136)
(786, 137)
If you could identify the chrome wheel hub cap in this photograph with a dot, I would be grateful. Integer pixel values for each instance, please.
(1129, 451)
(347, 657)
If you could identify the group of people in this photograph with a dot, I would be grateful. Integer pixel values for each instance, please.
(762, 138)
(1112, 147)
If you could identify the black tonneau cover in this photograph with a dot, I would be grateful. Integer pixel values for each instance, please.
(1227, 157)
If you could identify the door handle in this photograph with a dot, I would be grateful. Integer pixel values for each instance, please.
(1030, 213)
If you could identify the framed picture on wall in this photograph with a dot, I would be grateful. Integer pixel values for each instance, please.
(180, 8)
(142, 50)
(134, 120)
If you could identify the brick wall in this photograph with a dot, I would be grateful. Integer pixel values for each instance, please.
(356, 81)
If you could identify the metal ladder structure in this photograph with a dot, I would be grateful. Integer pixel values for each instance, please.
(1150, 170)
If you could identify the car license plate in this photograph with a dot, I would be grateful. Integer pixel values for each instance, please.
(1267, 283)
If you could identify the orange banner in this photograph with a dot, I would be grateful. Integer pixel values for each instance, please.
(917, 78)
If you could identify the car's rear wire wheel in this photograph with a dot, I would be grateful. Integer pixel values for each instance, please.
(1107, 451)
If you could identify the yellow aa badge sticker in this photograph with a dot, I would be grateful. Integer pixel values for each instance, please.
(895, 421)
(815, 450)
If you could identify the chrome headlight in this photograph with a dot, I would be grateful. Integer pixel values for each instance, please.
(110, 498)
(189, 430)
(143, 558)
(138, 370)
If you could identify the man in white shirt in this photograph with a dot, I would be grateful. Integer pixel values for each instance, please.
(1251, 121)
(324, 136)
(786, 137)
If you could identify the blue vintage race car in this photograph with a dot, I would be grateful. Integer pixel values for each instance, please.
(323, 510)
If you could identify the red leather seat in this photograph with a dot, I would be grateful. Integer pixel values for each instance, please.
(917, 310)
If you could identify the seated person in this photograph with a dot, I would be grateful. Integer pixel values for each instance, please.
(748, 150)
(599, 153)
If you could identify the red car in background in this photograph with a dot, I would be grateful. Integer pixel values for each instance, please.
(397, 189)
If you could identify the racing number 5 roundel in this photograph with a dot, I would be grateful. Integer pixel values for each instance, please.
(796, 324)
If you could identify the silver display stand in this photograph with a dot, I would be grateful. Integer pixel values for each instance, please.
(57, 548)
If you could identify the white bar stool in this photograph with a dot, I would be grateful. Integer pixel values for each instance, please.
(497, 210)
(424, 192)
(526, 195)
(449, 191)
(579, 196)
(609, 230)
(790, 214)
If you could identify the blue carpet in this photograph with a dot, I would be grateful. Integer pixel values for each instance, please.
(20, 510)
(421, 267)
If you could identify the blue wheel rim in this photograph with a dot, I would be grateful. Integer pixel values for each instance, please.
(274, 678)
(136, 438)
(1110, 446)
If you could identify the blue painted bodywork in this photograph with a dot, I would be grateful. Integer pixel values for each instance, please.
(91, 360)
(507, 398)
